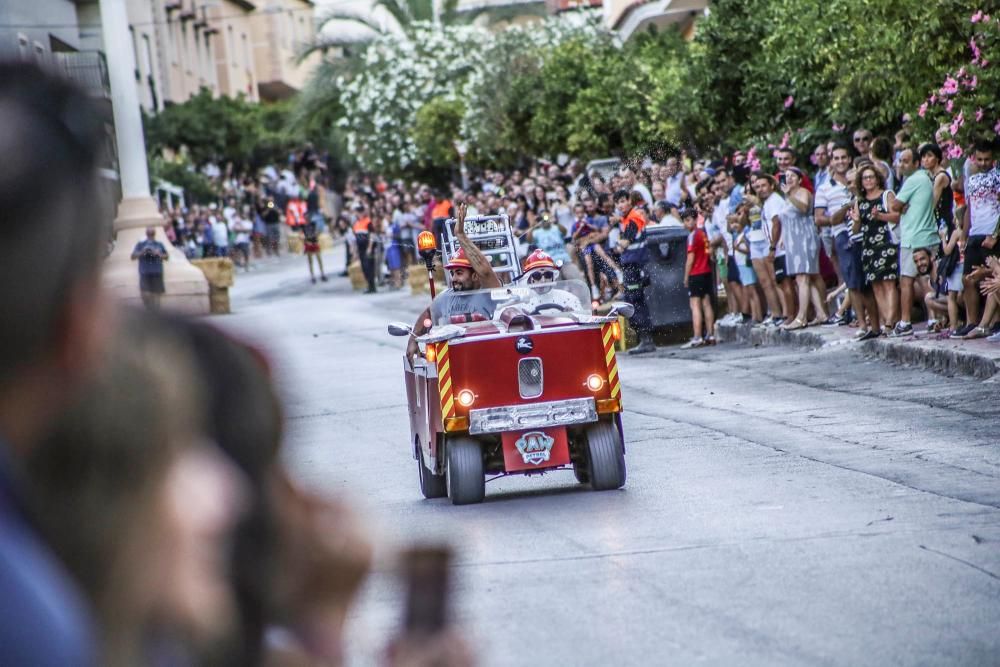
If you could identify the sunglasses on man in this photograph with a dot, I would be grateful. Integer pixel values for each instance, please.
(542, 276)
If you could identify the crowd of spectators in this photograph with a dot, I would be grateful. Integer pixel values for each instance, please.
(146, 517)
(254, 214)
(868, 233)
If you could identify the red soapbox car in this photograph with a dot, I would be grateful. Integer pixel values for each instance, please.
(520, 379)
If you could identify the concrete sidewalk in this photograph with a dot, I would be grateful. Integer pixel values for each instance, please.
(935, 352)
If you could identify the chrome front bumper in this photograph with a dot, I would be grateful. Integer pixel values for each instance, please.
(535, 415)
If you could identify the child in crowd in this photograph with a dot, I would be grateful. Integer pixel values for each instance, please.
(943, 311)
(698, 281)
(750, 302)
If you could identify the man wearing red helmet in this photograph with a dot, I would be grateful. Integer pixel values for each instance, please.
(469, 269)
(540, 270)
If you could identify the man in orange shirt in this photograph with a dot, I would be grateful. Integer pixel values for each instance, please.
(634, 256)
(439, 214)
(366, 245)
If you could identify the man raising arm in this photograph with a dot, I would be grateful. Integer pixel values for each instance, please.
(469, 270)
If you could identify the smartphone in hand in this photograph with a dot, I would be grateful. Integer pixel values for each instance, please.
(426, 572)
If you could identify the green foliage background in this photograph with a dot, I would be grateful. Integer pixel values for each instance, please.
(757, 72)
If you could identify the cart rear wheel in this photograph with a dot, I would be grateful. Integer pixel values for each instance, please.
(581, 471)
(606, 457)
(465, 476)
(431, 485)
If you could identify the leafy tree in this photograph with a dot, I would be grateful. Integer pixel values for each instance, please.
(761, 67)
(210, 129)
(198, 189)
(964, 106)
(434, 131)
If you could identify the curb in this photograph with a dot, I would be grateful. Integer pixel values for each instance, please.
(970, 358)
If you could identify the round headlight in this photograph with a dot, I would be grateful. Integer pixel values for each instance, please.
(595, 382)
(466, 398)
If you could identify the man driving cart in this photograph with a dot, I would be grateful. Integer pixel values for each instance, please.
(469, 269)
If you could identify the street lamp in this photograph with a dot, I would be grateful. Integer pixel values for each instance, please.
(186, 287)
(462, 147)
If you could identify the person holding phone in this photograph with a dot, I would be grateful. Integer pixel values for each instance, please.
(151, 255)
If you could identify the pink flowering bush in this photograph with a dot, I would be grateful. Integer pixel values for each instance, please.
(966, 105)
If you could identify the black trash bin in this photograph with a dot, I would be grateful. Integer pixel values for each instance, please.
(665, 293)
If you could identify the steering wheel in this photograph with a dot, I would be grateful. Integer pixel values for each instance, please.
(545, 306)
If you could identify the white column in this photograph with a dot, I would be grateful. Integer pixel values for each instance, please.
(186, 287)
(125, 100)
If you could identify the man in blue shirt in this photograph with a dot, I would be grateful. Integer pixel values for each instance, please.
(151, 255)
(51, 337)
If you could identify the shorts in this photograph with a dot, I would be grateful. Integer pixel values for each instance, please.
(747, 275)
(759, 249)
(780, 272)
(244, 248)
(151, 283)
(700, 285)
(976, 254)
(733, 271)
(907, 267)
(849, 258)
(955, 279)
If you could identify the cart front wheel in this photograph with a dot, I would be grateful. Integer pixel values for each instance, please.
(606, 457)
(431, 485)
(466, 478)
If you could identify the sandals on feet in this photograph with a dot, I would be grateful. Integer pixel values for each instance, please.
(794, 324)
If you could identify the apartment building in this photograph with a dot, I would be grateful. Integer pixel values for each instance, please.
(281, 30)
(627, 17)
(230, 47)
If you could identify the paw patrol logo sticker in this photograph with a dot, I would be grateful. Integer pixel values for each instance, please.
(535, 447)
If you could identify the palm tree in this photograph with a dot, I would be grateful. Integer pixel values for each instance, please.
(404, 12)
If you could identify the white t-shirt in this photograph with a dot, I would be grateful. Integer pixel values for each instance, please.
(718, 227)
(740, 257)
(220, 233)
(242, 227)
(773, 207)
(673, 188)
(982, 191)
(830, 197)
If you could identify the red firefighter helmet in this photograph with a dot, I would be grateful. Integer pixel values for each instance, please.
(459, 261)
(539, 259)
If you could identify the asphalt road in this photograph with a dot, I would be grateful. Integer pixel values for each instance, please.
(782, 508)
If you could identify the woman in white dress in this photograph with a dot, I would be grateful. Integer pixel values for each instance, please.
(801, 248)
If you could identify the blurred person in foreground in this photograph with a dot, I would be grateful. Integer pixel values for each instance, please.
(297, 559)
(55, 319)
(138, 504)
